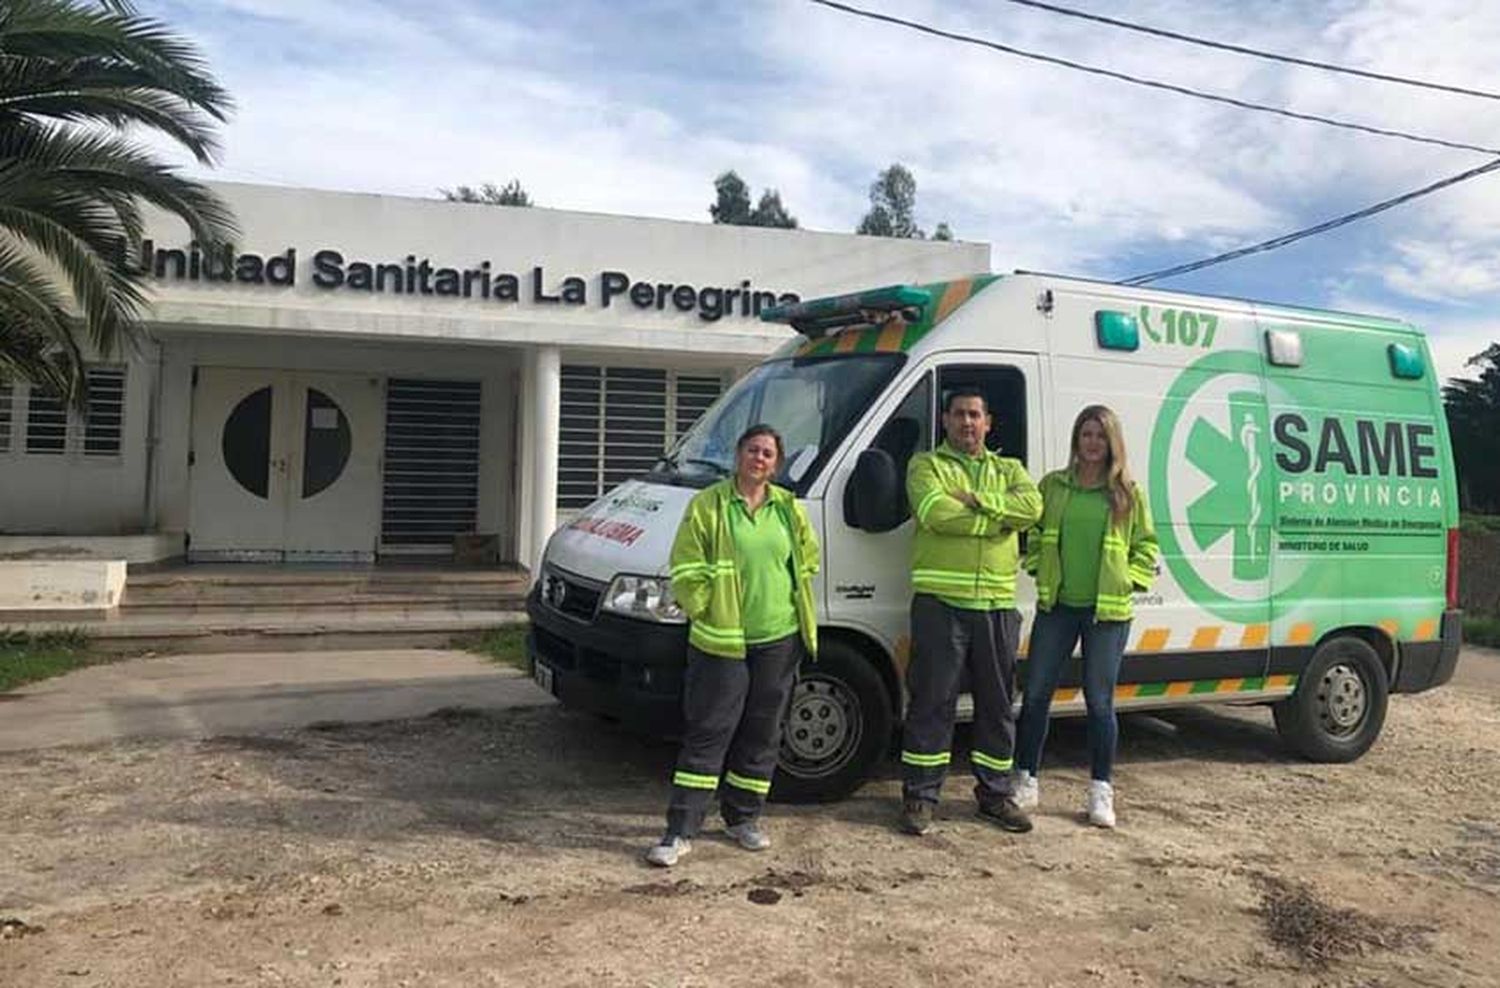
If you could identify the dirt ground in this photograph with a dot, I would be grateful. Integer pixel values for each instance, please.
(471, 848)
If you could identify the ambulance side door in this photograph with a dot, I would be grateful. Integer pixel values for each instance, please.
(868, 574)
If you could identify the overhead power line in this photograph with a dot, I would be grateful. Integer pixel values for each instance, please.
(1255, 52)
(1151, 83)
(1324, 227)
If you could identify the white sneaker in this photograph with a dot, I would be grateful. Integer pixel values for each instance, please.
(1026, 790)
(1101, 804)
(665, 854)
(749, 836)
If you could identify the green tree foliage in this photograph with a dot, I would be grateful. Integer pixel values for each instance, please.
(77, 77)
(1473, 407)
(893, 208)
(731, 205)
(770, 212)
(731, 200)
(489, 194)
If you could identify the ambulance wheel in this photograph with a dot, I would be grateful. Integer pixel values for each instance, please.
(837, 729)
(1339, 706)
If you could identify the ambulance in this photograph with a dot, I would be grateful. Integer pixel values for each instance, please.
(1296, 462)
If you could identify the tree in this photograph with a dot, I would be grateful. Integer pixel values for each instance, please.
(893, 207)
(488, 194)
(731, 205)
(75, 77)
(731, 200)
(893, 204)
(770, 212)
(1473, 407)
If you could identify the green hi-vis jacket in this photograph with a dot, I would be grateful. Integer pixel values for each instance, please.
(706, 582)
(960, 553)
(1127, 560)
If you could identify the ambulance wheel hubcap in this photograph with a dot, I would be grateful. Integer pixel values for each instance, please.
(822, 727)
(1342, 699)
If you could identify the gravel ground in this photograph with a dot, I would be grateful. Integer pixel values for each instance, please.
(476, 848)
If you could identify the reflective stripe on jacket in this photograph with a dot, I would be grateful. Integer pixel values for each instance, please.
(706, 582)
(1127, 561)
(959, 552)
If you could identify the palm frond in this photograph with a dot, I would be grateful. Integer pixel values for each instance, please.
(75, 76)
(79, 37)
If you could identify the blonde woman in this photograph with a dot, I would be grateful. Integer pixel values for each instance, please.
(1093, 548)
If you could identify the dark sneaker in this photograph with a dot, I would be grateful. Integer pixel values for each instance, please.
(1005, 814)
(916, 817)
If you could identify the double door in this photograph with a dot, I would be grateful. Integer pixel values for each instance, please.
(285, 465)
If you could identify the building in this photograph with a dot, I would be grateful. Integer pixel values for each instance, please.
(367, 376)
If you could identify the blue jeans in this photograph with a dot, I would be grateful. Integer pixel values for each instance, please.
(1052, 639)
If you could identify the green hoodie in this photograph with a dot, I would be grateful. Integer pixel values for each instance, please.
(706, 581)
(1127, 556)
(967, 556)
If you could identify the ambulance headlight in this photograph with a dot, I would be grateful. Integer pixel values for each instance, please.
(645, 597)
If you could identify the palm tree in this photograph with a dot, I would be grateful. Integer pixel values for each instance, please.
(77, 80)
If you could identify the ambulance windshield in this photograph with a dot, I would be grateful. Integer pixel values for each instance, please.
(812, 402)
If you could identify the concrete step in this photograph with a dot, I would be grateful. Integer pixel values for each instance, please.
(183, 588)
(285, 630)
(357, 602)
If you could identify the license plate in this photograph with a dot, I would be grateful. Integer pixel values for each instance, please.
(543, 676)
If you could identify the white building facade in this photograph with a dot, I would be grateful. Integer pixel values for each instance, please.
(366, 377)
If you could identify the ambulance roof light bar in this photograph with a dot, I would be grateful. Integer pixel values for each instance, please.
(819, 317)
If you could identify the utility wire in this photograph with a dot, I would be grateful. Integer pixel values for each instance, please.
(1255, 52)
(1151, 83)
(1324, 227)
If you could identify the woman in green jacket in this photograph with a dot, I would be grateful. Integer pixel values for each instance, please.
(742, 568)
(1093, 548)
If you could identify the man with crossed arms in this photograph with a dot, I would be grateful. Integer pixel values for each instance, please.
(969, 504)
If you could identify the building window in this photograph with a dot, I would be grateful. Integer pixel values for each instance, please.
(103, 425)
(431, 461)
(53, 429)
(46, 424)
(616, 422)
(7, 400)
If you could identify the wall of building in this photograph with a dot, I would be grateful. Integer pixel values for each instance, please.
(540, 248)
(74, 493)
(498, 369)
(286, 299)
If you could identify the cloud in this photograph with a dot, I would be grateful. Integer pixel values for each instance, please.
(1443, 272)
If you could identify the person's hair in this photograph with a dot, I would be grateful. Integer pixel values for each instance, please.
(761, 429)
(1119, 485)
(966, 393)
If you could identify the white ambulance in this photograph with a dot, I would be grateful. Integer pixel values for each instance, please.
(1296, 462)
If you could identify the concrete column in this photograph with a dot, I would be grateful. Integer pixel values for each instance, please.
(544, 398)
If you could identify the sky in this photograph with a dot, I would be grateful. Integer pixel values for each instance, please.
(633, 107)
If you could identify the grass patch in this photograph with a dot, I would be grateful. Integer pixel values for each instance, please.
(1480, 629)
(26, 658)
(505, 645)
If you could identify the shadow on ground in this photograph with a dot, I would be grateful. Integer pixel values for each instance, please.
(547, 778)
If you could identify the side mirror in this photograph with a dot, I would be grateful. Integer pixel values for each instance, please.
(875, 497)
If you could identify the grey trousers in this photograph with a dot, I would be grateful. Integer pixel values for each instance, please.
(945, 641)
(732, 711)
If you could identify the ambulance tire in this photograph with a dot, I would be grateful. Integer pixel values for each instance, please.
(838, 728)
(1339, 706)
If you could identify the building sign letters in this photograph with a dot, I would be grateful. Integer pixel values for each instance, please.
(331, 270)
